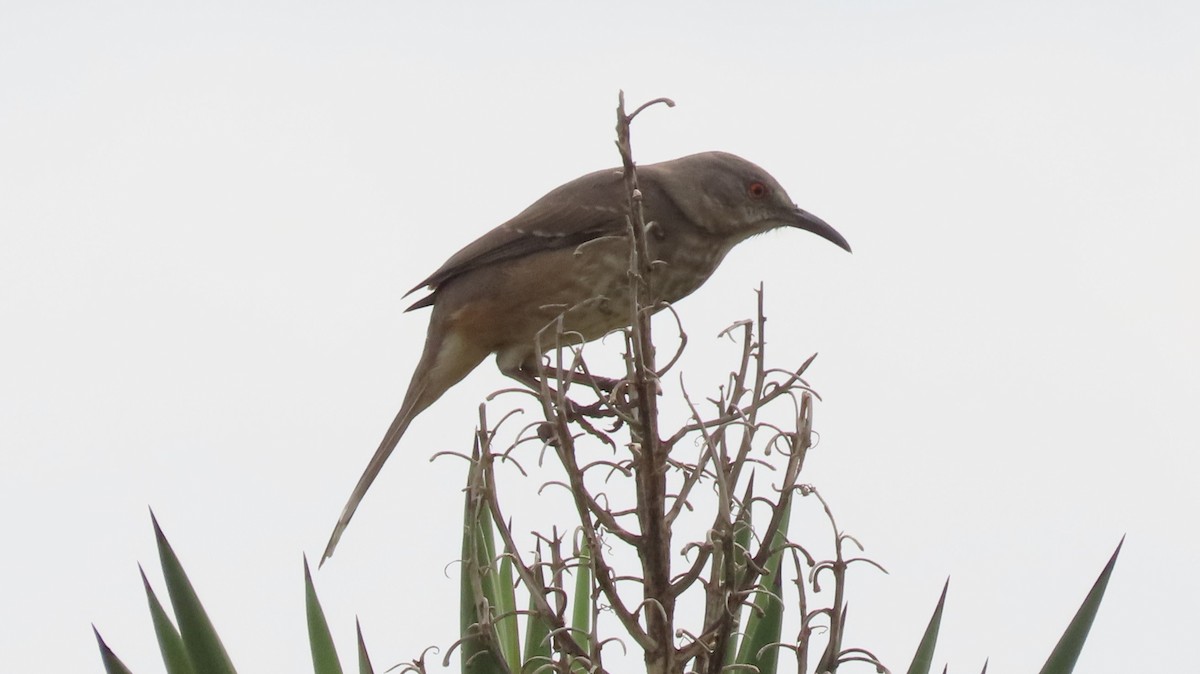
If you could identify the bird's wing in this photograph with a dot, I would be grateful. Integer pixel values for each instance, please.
(584, 209)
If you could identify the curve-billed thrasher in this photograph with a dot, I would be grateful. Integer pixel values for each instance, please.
(568, 255)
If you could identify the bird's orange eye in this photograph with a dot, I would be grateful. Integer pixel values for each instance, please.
(756, 190)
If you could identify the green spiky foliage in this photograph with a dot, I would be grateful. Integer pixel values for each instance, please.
(189, 644)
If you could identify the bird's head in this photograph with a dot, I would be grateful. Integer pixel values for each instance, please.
(726, 195)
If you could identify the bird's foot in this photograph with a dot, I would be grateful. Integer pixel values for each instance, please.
(597, 410)
(606, 384)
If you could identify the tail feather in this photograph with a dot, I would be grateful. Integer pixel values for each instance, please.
(390, 439)
(448, 357)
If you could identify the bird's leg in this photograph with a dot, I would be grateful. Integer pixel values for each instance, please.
(575, 413)
(606, 384)
(527, 375)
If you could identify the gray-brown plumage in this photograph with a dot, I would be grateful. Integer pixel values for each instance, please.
(568, 255)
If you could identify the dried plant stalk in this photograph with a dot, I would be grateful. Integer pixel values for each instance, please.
(724, 436)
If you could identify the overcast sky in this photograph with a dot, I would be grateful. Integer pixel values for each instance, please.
(209, 214)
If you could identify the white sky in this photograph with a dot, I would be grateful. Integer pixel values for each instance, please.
(208, 216)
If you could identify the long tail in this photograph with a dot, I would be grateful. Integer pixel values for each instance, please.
(443, 364)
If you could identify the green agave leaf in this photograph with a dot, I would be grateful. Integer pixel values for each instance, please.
(477, 658)
(504, 599)
(581, 604)
(1066, 653)
(764, 624)
(741, 541)
(537, 632)
(112, 664)
(763, 640)
(364, 660)
(204, 647)
(320, 641)
(923, 659)
(174, 653)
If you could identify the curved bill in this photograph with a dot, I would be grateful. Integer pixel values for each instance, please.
(802, 219)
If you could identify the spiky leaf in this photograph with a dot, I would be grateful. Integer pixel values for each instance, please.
(537, 632)
(320, 641)
(170, 644)
(364, 660)
(581, 609)
(477, 657)
(504, 599)
(1066, 653)
(923, 658)
(204, 647)
(112, 664)
(766, 619)
(742, 531)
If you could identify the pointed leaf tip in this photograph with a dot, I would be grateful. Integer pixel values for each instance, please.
(204, 647)
(364, 660)
(1066, 652)
(923, 658)
(154, 521)
(320, 639)
(112, 664)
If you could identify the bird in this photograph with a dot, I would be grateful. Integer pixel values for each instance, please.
(565, 259)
